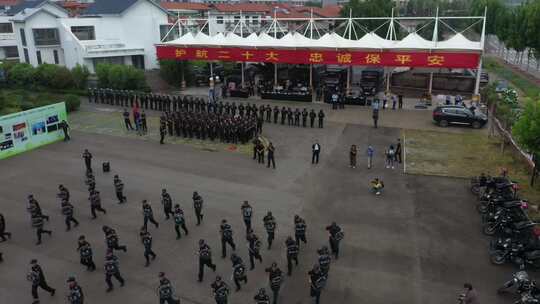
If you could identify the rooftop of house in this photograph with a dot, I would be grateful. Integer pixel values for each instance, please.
(185, 6)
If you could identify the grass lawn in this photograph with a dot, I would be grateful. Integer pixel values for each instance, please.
(465, 155)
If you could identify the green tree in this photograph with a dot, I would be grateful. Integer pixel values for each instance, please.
(102, 72)
(495, 10)
(22, 74)
(527, 130)
(369, 8)
(313, 4)
(80, 76)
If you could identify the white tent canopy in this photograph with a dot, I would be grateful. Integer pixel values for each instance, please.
(459, 42)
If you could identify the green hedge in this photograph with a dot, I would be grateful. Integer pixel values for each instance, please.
(121, 77)
(12, 101)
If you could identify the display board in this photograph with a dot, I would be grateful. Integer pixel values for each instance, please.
(27, 130)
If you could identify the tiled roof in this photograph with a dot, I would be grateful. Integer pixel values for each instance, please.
(184, 6)
(290, 14)
(328, 11)
(24, 5)
(9, 2)
(242, 7)
(105, 7)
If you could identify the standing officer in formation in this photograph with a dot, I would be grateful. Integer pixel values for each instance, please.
(304, 117)
(87, 160)
(85, 252)
(162, 132)
(292, 253)
(197, 205)
(312, 116)
(239, 271)
(336, 235)
(205, 259)
(221, 291)
(226, 237)
(112, 269)
(111, 239)
(148, 215)
(146, 239)
(261, 297)
(247, 213)
(166, 201)
(165, 291)
(95, 203)
(179, 221)
(276, 114)
(270, 226)
(275, 277)
(3, 232)
(324, 260)
(300, 230)
(75, 292)
(321, 118)
(119, 188)
(37, 278)
(254, 245)
(67, 211)
(317, 282)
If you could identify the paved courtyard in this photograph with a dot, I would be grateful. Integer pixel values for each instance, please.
(416, 243)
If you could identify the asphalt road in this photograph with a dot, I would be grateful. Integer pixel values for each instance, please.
(416, 243)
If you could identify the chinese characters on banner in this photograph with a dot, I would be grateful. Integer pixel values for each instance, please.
(342, 57)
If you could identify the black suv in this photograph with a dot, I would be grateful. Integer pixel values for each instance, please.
(445, 115)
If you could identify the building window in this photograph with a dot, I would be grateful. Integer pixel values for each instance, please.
(84, 32)
(11, 52)
(55, 54)
(138, 61)
(26, 57)
(219, 20)
(254, 19)
(23, 37)
(38, 55)
(46, 36)
(236, 19)
(6, 28)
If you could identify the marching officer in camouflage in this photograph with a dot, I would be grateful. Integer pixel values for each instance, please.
(90, 181)
(261, 297)
(292, 253)
(119, 188)
(247, 213)
(205, 259)
(324, 260)
(35, 209)
(221, 291)
(95, 203)
(148, 215)
(166, 201)
(300, 229)
(85, 253)
(111, 239)
(275, 277)
(63, 194)
(75, 292)
(312, 116)
(179, 221)
(112, 269)
(317, 282)
(3, 232)
(254, 246)
(37, 278)
(336, 235)
(67, 211)
(270, 226)
(165, 291)
(38, 224)
(198, 205)
(87, 156)
(226, 237)
(146, 239)
(239, 271)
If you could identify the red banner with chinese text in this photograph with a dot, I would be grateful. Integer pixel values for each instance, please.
(373, 58)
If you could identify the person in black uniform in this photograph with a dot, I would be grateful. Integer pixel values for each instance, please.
(85, 253)
(324, 260)
(166, 201)
(35, 209)
(67, 211)
(260, 152)
(297, 117)
(336, 235)
(95, 203)
(221, 291)
(144, 125)
(226, 237)
(146, 240)
(198, 205)
(254, 246)
(300, 230)
(3, 232)
(268, 110)
(87, 159)
(38, 223)
(75, 292)
(304, 117)
(63, 194)
(321, 118)
(65, 126)
(275, 277)
(292, 253)
(119, 188)
(205, 259)
(165, 291)
(276, 114)
(148, 215)
(179, 221)
(112, 269)
(270, 155)
(312, 116)
(270, 226)
(247, 213)
(317, 282)
(127, 121)
(261, 297)
(283, 115)
(239, 271)
(111, 239)
(290, 118)
(37, 278)
(162, 132)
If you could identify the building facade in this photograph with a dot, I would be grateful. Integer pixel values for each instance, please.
(8, 41)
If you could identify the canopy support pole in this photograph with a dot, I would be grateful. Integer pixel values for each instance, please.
(243, 86)
(430, 85)
(388, 80)
(311, 77)
(478, 74)
(348, 80)
(275, 75)
(211, 69)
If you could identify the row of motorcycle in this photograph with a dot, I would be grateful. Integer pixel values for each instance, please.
(515, 240)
